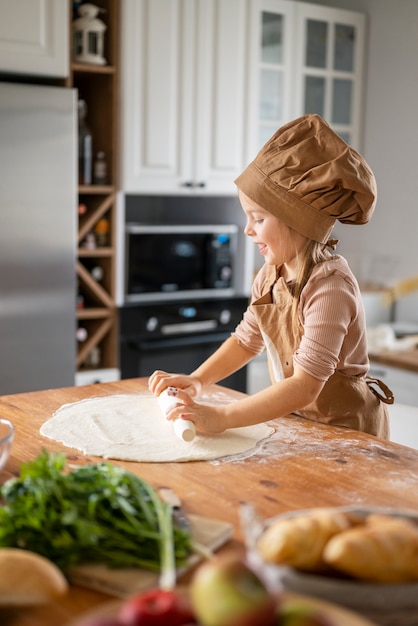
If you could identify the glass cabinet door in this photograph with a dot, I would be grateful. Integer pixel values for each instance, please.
(330, 67)
(304, 58)
(275, 23)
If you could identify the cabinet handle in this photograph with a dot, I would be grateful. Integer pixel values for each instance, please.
(191, 184)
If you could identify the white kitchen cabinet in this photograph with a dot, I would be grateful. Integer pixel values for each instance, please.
(402, 382)
(34, 37)
(93, 377)
(183, 99)
(305, 58)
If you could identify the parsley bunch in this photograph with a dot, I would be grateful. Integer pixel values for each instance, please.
(95, 514)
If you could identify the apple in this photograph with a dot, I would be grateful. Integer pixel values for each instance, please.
(297, 613)
(224, 591)
(156, 607)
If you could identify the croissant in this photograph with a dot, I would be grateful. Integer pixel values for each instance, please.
(299, 541)
(384, 549)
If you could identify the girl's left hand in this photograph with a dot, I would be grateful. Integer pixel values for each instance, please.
(207, 419)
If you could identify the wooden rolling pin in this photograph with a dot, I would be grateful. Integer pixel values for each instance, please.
(184, 429)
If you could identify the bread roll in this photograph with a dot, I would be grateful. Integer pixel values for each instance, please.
(299, 541)
(384, 549)
(27, 578)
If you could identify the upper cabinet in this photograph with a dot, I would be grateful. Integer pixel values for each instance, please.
(305, 59)
(206, 82)
(329, 66)
(34, 37)
(184, 82)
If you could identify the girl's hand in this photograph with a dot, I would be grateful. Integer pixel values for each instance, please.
(207, 419)
(159, 380)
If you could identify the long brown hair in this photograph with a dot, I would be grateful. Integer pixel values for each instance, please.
(313, 253)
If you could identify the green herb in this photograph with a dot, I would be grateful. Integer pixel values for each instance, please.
(96, 513)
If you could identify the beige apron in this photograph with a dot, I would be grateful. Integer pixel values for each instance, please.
(350, 401)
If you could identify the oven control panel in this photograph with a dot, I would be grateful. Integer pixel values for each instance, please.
(181, 318)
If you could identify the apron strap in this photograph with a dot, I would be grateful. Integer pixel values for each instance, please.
(388, 398)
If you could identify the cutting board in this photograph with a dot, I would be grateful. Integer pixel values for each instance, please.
(209, 533)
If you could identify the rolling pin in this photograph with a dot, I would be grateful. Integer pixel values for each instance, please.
(184, 429)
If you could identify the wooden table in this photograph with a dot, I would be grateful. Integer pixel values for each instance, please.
(303, 465)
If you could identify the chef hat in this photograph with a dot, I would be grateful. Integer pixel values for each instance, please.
(307, 176)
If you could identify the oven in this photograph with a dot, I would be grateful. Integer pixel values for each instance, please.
(177, 336)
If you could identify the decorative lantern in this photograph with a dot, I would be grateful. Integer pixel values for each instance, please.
(88, 32)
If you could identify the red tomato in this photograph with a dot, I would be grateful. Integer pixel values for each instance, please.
(156, 607)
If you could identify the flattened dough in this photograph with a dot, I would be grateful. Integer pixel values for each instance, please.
(132, 428)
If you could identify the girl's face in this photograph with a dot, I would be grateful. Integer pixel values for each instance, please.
(279, 244)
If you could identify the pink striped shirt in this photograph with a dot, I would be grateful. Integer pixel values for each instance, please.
(332, 315)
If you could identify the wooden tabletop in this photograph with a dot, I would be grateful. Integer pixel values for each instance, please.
(303, 465)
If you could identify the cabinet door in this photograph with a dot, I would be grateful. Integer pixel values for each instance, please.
(152, 39)
(270, 64)
(329, 66)
(403, 383)
(220, 98)
(183, 99)
(34, 37)
(307, 59)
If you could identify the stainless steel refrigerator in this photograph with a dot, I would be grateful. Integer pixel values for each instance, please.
(38, 201)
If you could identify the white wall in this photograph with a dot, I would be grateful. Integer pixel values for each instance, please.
(387, 248)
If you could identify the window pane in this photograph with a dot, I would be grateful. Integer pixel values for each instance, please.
(314, 95)
(344, 47)
(341, 101)
(272, 38)
(345, 137)
(271, 95)
(264, 134)
(316, 44)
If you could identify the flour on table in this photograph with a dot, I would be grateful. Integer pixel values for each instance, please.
(133, 428)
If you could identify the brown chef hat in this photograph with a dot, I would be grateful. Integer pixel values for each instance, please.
(307, 176)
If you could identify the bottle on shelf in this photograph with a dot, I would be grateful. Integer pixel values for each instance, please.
(85, 146)
(80, 297)
(89, 242)
(97, 273)
(100, 169)
(94, 358)
(81, 334)
(101, 232)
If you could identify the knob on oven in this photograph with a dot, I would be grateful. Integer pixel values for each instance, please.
(151, 324)
(225, 316)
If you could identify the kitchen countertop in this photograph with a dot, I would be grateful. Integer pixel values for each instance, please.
(402, 359)
(303, 465)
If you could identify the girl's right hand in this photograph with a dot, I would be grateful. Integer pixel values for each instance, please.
(160, 380)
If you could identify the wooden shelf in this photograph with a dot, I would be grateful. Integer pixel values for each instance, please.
(95, 69)
(98, 86)
(95, 211)
(91, 314)
(97, 252)
(95, 189)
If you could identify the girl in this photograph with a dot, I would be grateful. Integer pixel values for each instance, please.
(306, 308)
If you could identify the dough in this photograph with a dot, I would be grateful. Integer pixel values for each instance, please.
(132, 428)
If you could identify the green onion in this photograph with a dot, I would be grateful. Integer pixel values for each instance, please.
(98, 513)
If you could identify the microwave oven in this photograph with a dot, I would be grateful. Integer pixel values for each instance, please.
(168, 262)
